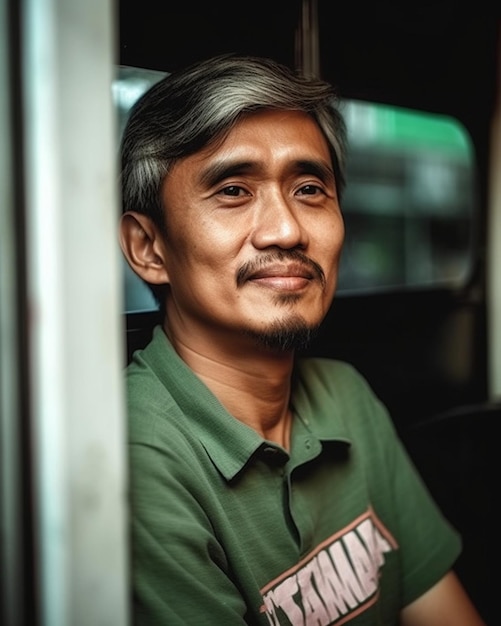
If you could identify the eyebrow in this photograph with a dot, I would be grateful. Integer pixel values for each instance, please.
(218, 171)
(316, 167)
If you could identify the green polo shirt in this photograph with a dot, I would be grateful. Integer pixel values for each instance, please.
(228, 528)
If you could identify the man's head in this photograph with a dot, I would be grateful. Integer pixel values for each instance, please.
(232, 172)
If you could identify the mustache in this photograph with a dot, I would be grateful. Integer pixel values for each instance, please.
(251, 267)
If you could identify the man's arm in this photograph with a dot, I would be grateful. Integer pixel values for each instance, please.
(445, 604)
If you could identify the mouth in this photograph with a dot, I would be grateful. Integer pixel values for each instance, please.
(283, 277)
(285, 271)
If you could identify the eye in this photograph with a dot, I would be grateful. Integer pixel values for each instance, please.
(234, 191)
(310, 190)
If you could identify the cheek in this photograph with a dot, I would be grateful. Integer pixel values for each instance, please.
(332, 241)
(199, 256)
(186, 240)
(217, 247)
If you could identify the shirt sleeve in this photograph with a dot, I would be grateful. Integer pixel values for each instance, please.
(428, 544)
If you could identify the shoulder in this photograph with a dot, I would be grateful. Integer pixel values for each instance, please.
(335, 392)
(330, 371)
(335, 379)
(153, 415)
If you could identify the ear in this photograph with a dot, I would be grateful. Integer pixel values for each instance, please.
(142, 245)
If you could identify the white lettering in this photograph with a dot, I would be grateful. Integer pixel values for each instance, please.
(334, 582)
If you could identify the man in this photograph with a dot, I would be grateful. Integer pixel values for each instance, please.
(265, 489)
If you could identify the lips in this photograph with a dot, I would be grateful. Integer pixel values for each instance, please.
(283, 277)
(282, 271)
(289, 269)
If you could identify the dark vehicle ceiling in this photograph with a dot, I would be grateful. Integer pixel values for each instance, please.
(438, 56)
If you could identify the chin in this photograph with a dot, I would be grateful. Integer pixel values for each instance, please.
(285, 335)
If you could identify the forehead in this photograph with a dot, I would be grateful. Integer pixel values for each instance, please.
(271, 137)
(271, 124)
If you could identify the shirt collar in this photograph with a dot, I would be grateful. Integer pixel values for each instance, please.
(231, 444)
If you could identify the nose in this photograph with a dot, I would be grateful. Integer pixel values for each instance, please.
(278, 223)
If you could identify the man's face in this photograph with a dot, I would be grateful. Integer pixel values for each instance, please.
(254, 232)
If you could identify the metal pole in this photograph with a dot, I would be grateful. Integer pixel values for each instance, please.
(74, 299)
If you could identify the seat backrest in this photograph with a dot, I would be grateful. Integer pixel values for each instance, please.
(457, 454)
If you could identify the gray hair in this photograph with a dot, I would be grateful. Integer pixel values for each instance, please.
(193, 108)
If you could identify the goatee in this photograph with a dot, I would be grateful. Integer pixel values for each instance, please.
(285, 335)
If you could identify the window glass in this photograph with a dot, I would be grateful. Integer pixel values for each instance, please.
(130, 83)
(409, 202)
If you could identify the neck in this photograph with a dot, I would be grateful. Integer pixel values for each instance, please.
(252, 383)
